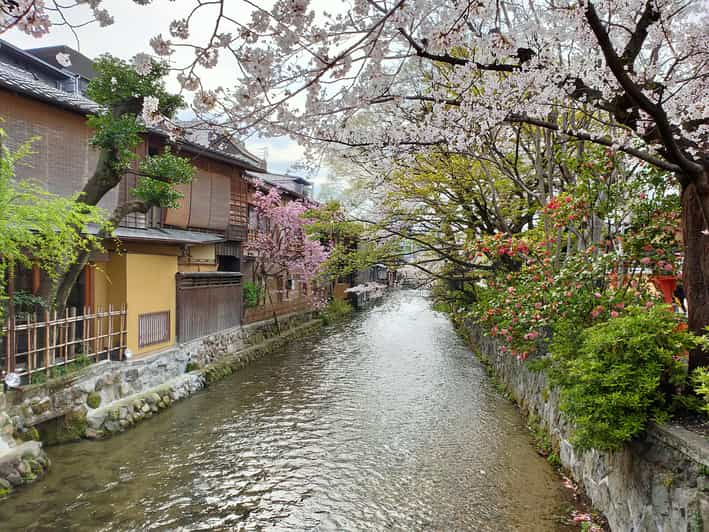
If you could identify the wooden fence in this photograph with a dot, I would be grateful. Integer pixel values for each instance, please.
(266, 311)
(207, 302)
(50, 344)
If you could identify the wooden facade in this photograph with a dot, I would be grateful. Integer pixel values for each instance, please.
(207, 303)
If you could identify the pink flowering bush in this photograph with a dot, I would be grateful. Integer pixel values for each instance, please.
(551, 274)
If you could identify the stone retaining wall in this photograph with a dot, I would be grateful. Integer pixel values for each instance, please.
(656, 484)
(110, 396)
(126, 412)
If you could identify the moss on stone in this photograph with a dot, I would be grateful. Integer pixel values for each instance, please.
(29, 434)
(71, 427)
(93, 400)
(4, 492)
(192, 366)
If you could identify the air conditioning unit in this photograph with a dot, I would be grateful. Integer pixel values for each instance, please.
(290, 284)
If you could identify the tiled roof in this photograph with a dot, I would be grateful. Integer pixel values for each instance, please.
(281, 178)
(22, 82)
(162, 235)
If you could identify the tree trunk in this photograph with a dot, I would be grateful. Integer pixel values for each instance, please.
(69, 278)
(695, 205)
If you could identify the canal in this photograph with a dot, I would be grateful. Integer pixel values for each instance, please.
(386, 422)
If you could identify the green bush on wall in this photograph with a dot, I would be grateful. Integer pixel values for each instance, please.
(620, 374)
(700, 380)
(336, 310)
(252, 294)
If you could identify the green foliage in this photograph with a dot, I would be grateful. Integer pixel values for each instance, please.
(37, 227)
(351, 249)
(27, 302)
(253, 293)
(618, 375)
(120, 135)
(700, 380)
(118, 84)
(118, 131)
(192, 366)
(38, 378)
(93, 400)
(172, 168)
(336, 310)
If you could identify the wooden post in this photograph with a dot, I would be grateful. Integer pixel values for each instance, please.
(84, 332)
(34, 340)
(94, 332)
(123, 332)
(71, 348)
(55, 338)
(11, 344)
(99, 333)
(29, 349)
(110, 323)
(47, 341)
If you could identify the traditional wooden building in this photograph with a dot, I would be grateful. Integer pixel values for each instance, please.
(285, 295)
(177, 271)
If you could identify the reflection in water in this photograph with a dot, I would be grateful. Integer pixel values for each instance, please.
(383, 423)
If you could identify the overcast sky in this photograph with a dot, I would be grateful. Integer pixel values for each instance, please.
(134, 26)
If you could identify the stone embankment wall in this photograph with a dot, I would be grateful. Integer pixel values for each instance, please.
(109, 397)
(659, 483)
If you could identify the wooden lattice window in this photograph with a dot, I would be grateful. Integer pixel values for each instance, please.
(153, 328)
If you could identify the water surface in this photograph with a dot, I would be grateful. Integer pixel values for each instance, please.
(386, 422)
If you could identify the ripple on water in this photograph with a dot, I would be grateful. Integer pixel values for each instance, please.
(383, 423)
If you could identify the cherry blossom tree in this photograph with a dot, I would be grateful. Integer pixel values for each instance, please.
(281, 246)
(630, 75)
(37, 17)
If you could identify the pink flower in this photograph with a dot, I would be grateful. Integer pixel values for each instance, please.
(597, 295)
(614, 314)
(581, 517)
(646, 260)
(511, 290)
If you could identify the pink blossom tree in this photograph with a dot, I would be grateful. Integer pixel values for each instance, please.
(282, 247)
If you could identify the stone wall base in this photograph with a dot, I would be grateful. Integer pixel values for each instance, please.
(126, 412)
(659, 483)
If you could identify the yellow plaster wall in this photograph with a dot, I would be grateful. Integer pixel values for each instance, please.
(110, 282)
(150, 287)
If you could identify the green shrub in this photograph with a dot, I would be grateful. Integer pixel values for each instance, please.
(336, 309)
(38, 378)
(618, 375)
(700, 380)
(192, 366)
(252, 294)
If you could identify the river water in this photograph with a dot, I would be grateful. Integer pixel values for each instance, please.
(386, 422)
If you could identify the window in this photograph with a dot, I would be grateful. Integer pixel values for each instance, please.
(153, 328)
